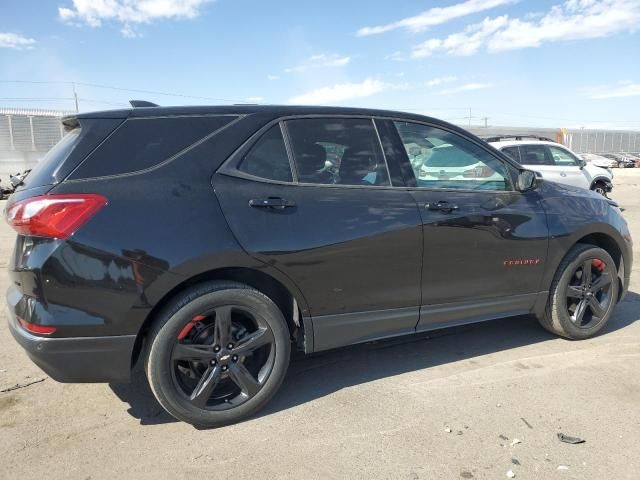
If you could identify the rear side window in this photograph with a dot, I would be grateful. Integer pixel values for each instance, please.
(343, 151)
(141, 143)
(70, 151)
(268, 158)
(512, 153)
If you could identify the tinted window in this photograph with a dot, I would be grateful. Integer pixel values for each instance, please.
(344, 151)
(141, 143)
(268, 157)
(535, 155)
(442, 159)
(512, 152)
(562, 157)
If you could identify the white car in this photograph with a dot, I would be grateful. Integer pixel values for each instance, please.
(554, 162)
(599, 160)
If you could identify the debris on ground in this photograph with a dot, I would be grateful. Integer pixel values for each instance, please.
(510, 474)
(515, 442)
(503, 437)
(572, 440)
(563, 467)
(22, 385)
(448, 430)
(526, 423)
(515, 461)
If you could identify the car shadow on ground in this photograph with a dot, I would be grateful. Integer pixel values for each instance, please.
(315, 376)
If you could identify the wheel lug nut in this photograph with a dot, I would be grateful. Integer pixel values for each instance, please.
(224, 368)
(230, 346)
(234, 358)
(213, 362)
(216, 348)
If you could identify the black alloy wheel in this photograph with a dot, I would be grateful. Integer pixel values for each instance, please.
(583, 293)
(222, 357)
(217, 353)
(589, 293)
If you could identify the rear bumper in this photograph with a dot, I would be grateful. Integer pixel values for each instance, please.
(77, 359)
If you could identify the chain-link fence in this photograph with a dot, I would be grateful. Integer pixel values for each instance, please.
(29, 130)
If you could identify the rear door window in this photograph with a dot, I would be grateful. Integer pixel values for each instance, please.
(341, 151)
(141, 143)
(535, 155)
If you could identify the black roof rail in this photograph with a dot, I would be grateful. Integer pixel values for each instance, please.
(498, 138)
(142, 103)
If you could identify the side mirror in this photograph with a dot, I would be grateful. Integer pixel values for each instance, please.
(527, 180)
(582, 163)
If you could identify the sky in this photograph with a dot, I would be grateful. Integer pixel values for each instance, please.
(572, 63)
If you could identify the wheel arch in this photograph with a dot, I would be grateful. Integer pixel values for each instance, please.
(261, 281)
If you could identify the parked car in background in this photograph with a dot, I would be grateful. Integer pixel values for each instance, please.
(554, 162)
(598, 160)
(623, 159)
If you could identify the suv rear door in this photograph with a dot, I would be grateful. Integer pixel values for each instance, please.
(313, 197)
(485, 244)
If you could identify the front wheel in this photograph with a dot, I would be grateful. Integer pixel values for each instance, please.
(217, 354)
(583, 293)
(600, 188)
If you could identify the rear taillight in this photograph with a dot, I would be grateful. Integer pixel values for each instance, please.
(53, 216)
(39, 329)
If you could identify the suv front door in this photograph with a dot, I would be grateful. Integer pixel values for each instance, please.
(323, 212)
(485, 244)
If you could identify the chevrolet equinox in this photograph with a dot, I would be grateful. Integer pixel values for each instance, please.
(208, 242)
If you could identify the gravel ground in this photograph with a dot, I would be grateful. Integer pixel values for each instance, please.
(451, 405)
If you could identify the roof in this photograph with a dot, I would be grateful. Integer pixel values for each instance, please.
(275, 110)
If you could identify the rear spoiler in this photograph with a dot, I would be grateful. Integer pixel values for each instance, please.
(73, 121)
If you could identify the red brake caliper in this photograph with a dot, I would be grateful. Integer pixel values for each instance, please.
(187, 328)
(598, 264)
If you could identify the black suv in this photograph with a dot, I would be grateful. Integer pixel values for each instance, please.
(209, 241)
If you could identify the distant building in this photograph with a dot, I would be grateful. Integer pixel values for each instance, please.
(26, 135)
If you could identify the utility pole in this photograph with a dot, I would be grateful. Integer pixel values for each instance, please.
(469, 118)
(75, 95)
(486, 119)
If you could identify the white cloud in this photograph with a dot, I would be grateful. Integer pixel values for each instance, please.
(128, 12)
(16, 41)
(273, 77)
(340, 92)
(467, 87)
(440, 80)
(435, 16)
(463, 43)
(571, 20)
(625, 89)
(322, 60)
(254, 99)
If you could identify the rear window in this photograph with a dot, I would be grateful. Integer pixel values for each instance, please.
(141, 143)
(69, 152)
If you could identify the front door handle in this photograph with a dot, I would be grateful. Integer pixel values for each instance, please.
(563, 174)
(271, 202)
(442, 206)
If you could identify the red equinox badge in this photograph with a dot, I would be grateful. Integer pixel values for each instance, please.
(521, 261)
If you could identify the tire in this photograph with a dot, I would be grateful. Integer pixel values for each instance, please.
(599, 187)
(562, 315)
(208, 387)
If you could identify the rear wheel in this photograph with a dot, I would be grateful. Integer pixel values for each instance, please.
(583, 294)
(217, 354)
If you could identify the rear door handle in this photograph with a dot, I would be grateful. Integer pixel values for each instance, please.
(442, 206)
(271, 202)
